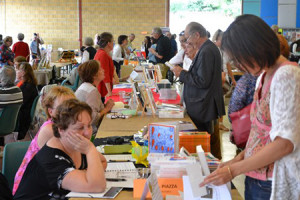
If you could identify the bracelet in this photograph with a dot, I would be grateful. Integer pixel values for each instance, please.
(229, 171)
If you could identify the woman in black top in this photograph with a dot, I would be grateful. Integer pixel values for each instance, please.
(28, 85)
(147, 45)
(68, 162)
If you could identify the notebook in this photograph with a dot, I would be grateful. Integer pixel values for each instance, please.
(109, 193)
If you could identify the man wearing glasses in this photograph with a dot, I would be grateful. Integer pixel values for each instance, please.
(203, 84)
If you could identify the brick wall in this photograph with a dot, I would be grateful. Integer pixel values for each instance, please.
(57, 20)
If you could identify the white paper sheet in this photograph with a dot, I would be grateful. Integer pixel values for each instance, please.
(195, 177)
(120, 166)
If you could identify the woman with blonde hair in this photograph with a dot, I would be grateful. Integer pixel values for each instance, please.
(53, 99)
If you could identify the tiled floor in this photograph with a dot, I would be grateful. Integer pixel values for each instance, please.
(229, 152)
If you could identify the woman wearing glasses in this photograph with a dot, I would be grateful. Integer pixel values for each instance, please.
(271, 158)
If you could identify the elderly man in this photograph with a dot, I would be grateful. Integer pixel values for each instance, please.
(21, 48)
(203, 84)
(163, 48)
(9, 93)
(131, 37)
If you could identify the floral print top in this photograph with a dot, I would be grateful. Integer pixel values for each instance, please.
(6, 55)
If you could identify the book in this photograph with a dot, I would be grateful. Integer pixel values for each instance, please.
(163, 137)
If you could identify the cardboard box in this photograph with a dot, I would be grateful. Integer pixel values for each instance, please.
(190, 140)
(168, 186)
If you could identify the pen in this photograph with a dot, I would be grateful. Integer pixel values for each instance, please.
(119, 161)
(115, 179)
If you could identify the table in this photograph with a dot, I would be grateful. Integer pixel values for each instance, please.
(60, 66)
(116, 97)
(43, 76)
(123, 127)
(128, 195)
(112, 127)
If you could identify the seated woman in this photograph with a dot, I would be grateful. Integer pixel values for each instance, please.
(68, 162)
(92, 74)
(28, 85)
(53, 99)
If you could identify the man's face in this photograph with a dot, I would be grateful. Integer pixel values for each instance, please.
(154, 35)
(168, 34)
(131, 38)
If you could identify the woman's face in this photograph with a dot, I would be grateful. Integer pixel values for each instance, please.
(218, 41)
(57, 102)
(111, 44)
(83, 126)
(125, 42)
(190, 51)
(182, 41)
(99, 76)
(20, 74)
(8, 43)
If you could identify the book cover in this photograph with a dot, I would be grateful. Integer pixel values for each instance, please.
(163, 138)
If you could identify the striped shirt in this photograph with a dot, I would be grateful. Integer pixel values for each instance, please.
(10, 95)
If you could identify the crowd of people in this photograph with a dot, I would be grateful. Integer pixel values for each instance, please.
(270, 85)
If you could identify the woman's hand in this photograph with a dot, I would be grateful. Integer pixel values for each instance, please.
(109, 105)
(219, 177)
(79, 142)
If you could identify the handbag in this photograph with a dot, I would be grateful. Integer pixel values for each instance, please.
(241, 126)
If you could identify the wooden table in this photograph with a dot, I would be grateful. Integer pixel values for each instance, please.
(111, 127)
(60, 66)
(123, 127)
(128, 195)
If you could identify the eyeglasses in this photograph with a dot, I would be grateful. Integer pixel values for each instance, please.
(182, 41)
(116, 116)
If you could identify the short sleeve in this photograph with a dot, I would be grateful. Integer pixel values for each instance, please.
(57, 168)
(95, 102)
(285, 104)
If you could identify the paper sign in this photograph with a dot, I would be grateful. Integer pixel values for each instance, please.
(195, 177)
(153, 187)
(168, 186)
(133, 75)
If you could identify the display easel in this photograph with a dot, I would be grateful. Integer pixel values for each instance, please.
(143, 99)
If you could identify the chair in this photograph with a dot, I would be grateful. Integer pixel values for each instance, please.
(73, 87)
(32, 111)
(73, 73)
(8, 119)
(12, 158)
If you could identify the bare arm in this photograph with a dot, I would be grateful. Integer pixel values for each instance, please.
(45, 134)
(272, 152)
(229, 69)
(90, 180)
(107, 85)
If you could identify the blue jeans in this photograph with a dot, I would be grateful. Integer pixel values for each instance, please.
(257, 190)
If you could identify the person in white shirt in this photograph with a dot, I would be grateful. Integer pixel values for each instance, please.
(89, 51)
(180, 57)
(119, 52)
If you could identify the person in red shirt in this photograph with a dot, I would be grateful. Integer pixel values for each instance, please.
(106, 44)
(21, 48)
